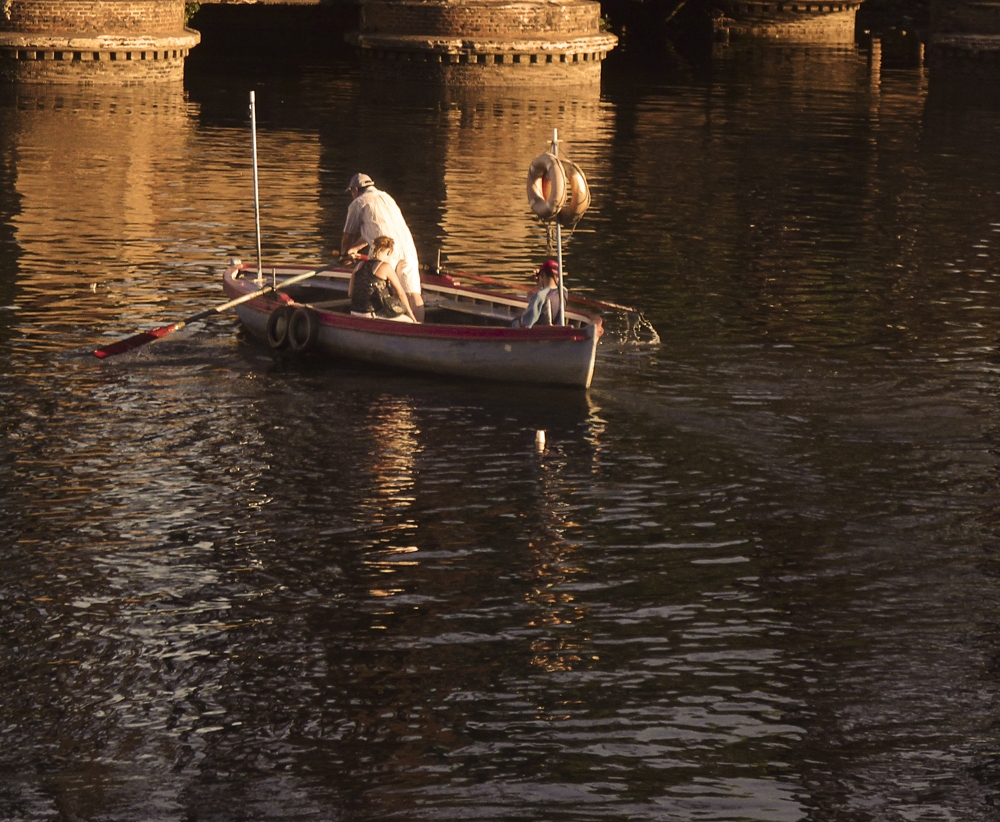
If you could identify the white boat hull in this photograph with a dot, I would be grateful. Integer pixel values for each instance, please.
(549, 355)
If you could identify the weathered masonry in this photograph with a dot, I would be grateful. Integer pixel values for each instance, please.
(468, 42)
(93, 41)
(460, 42)
(789, 20)
(485, 42)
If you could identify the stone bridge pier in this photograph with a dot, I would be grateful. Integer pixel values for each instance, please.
(93, 41)
(459, 42)
(485, 42)
(791, 21)
(465, 42)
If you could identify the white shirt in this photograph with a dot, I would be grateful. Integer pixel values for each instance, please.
(374, 213)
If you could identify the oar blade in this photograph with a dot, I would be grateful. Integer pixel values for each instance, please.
(135, 341)
(144, 337)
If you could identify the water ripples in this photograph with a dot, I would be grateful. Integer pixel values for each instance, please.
(750, 575)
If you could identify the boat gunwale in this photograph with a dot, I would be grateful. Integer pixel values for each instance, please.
(592, 324)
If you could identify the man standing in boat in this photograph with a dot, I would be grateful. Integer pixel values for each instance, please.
(373, 213)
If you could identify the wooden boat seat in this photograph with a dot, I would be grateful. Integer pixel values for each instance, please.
(331, 305)
(475, 308)
(491, 313)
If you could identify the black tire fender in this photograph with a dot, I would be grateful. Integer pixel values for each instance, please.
(277, 326)
(303, 330)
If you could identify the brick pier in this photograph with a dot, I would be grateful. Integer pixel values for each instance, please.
(93, 41)
(791, 21)
(485, 42)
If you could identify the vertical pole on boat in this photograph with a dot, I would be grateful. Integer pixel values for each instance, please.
(562, 310)
(256, 191)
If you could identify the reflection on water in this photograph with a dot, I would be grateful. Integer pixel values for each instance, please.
(489, 138)
(751, 575)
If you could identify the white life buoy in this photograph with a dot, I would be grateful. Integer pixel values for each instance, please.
(546, 186)
(578, 198)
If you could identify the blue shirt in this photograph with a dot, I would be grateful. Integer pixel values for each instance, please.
(543, 306)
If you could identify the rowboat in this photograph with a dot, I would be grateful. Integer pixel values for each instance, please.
(466, 330)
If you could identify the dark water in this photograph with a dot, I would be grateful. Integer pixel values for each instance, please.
(754, 575)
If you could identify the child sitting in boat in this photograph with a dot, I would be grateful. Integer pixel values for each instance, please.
(543, 304)
(375, 290)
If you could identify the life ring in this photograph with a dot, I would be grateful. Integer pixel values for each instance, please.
(578, 199)
(303, 330)
(546, 186)
(277, 326)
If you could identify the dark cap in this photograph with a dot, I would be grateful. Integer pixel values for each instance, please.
(360, 181)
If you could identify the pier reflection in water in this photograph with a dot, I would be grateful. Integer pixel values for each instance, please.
(484, 169)
(751, 576)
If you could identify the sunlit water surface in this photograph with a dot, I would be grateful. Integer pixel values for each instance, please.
(753, 575)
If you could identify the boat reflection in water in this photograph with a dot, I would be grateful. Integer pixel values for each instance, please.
(408, 539)
(389, 495)
(557, 622)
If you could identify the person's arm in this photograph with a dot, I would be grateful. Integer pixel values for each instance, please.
(535, 307)
(350, 241)
(398, 288)
(350, 244)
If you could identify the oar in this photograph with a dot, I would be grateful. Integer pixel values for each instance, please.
(572, 297)
(144, 337)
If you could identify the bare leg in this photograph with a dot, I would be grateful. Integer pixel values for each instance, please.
(413, 280)
(417, 304)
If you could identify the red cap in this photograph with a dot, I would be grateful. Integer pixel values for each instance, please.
(549, 266)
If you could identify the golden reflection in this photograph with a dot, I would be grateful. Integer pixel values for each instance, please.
(596, 426)
(115, 186)
(394, 432)
(95, 163)
(490, 138)
(564, 642)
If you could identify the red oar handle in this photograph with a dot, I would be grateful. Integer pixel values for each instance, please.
(144, 337)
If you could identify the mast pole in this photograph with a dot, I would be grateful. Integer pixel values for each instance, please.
(256, 191)
(559, 260)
